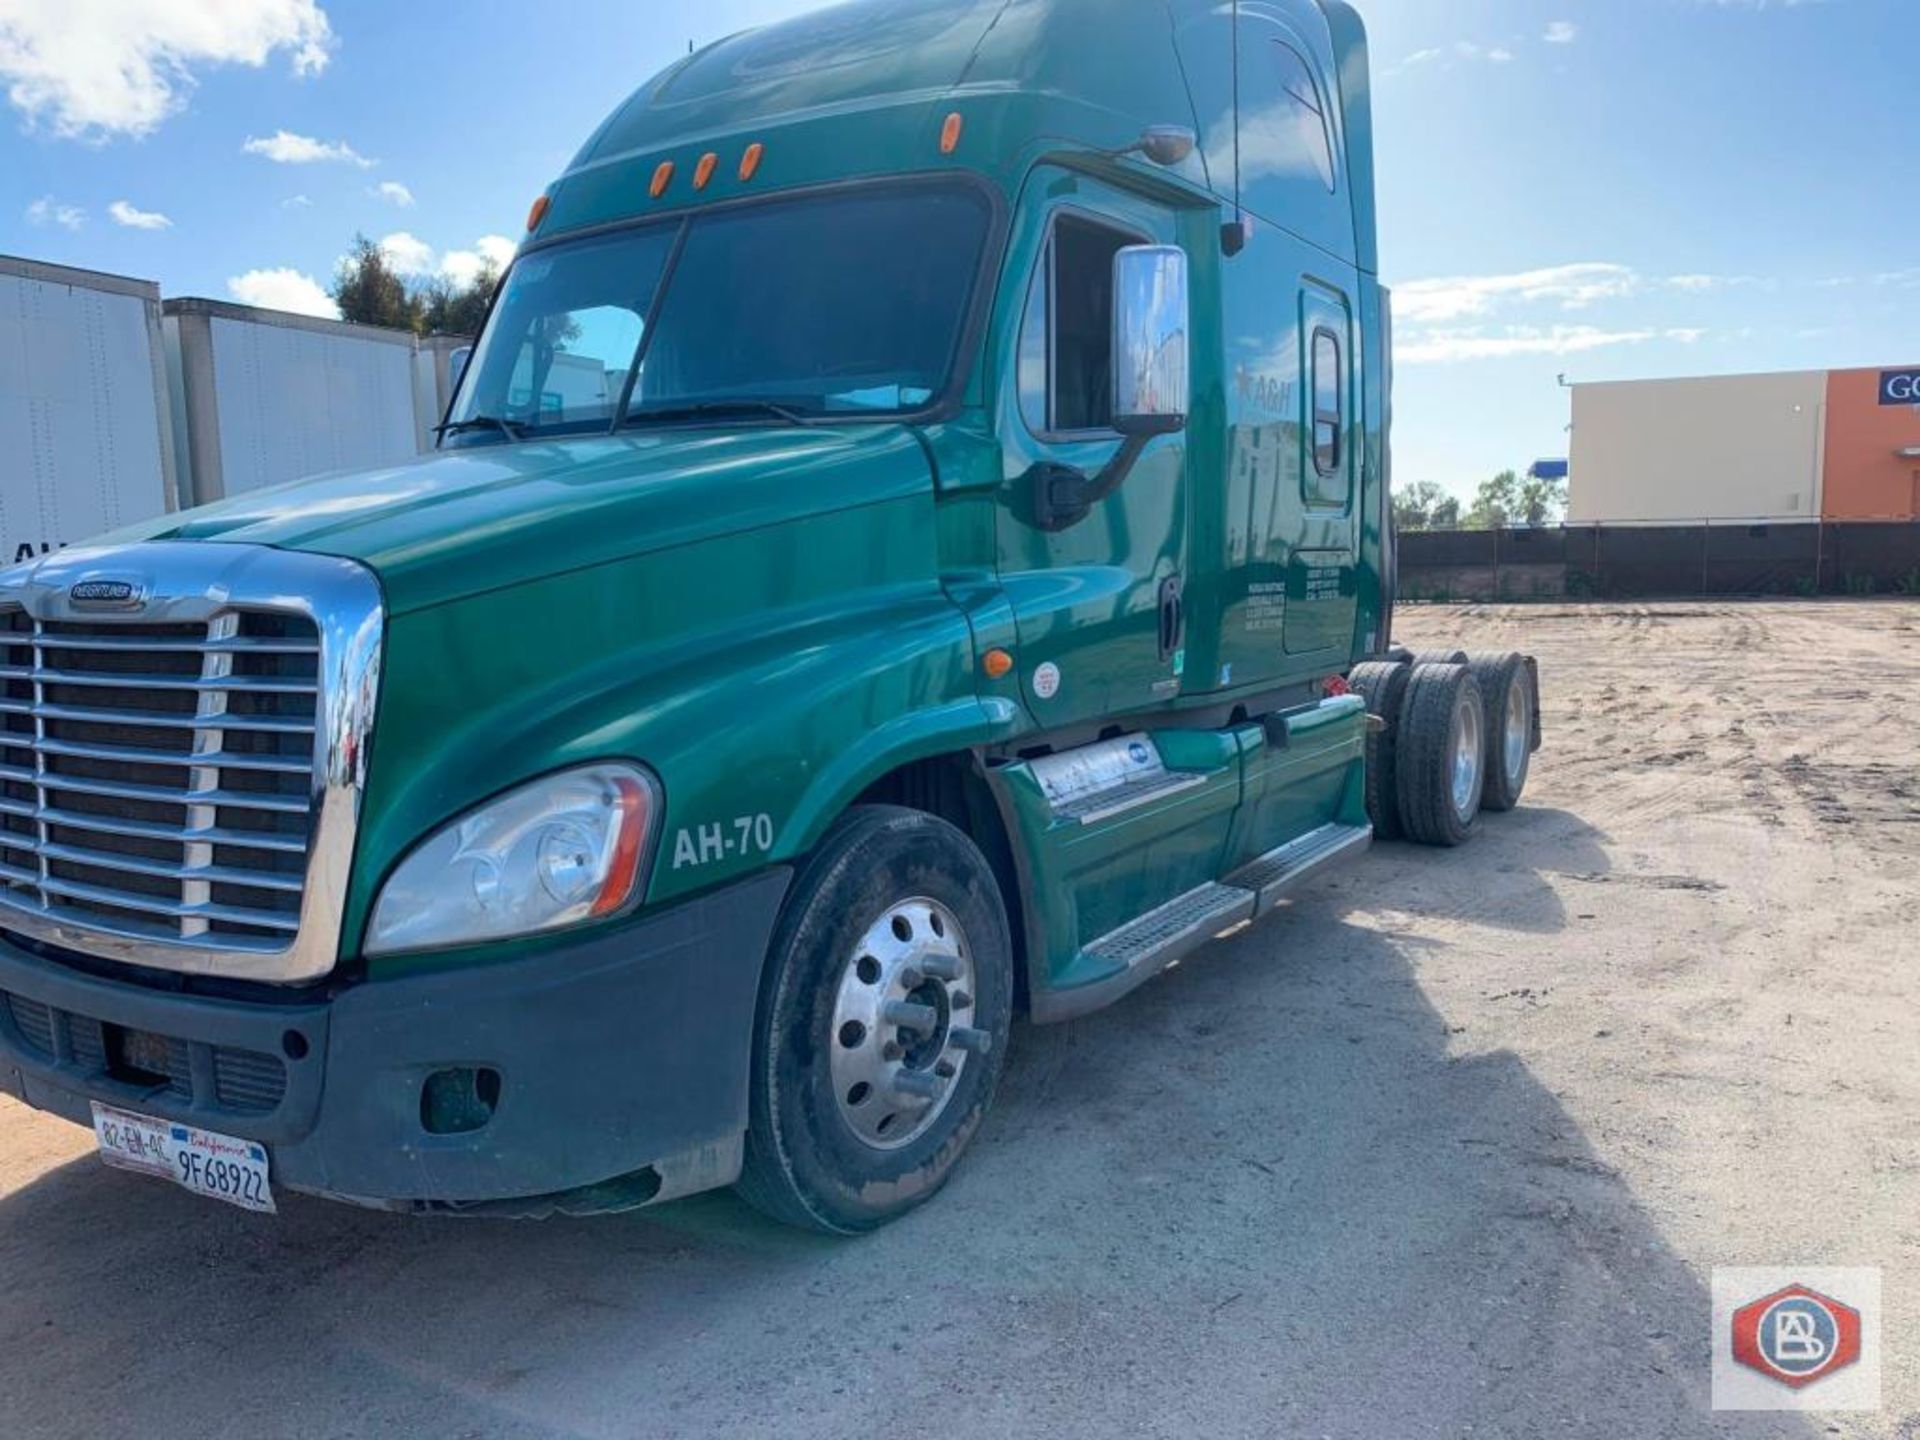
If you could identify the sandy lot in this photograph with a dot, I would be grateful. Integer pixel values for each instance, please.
(1449, 1149)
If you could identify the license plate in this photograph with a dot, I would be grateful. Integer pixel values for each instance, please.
(217, 1166)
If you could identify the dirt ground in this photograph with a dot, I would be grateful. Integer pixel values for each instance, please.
(1449, 1149)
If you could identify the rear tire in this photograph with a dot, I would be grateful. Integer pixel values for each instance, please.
(1506, 689)
(1440, 657)
(1383, 685)
(855, 1119)
(1442, 755)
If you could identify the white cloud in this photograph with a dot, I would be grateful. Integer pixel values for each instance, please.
(407, 254)
(1561, 32)
(1899, 279)
(1460, 51)
(297, 202)
(394, 192)
(283, 289)
(135, 219)
(283, 147)
(94, 69)
(412, 257)
(1572, 287)
(463, 267)
(1438, 347)
(49, 211)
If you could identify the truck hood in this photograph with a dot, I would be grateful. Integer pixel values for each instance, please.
(483, 518)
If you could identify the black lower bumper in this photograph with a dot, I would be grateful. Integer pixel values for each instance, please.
(625, 1055)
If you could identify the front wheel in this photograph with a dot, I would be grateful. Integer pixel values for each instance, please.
(883, 1023)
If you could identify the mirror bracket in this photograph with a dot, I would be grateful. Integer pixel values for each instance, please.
(1064, 495)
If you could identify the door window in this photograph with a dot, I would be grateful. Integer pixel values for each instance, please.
(1327, 477)
(1066, 342)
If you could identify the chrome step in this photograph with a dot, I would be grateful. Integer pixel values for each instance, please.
(1177, 928)
(1106, 804)
(1278, 873)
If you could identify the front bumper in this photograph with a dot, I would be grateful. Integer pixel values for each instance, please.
(621, 1065)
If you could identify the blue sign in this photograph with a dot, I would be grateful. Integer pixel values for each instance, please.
(1900, 387)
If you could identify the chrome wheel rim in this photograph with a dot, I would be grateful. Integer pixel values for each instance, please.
(903, 1024)
(1469, 753)
(1519, 736)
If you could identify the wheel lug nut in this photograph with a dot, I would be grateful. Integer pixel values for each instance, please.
(940, 967)
(962, 1000)
(917, 1084)
(946, 1070)
(891, 1051)
(909, 1016)
(965, 1037)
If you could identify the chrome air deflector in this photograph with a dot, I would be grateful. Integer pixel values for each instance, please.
(183, 739)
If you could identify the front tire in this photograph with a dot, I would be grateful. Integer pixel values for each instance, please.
(883, 1024)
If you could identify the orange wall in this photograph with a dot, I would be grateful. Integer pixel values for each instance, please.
(1865, 477)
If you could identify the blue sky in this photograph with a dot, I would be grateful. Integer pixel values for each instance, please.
(1600, 188)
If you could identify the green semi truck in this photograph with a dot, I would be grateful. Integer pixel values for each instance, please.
(910, 547)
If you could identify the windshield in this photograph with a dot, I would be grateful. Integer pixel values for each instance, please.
(850, 304)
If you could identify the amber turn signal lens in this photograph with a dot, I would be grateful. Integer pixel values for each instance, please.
(703, 172)
(538, 213)
(997, 663)
(950, 134)
(750, 162)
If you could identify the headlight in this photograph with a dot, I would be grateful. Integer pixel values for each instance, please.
(553, 853)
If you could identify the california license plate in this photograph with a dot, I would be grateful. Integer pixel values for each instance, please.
(217, 1166)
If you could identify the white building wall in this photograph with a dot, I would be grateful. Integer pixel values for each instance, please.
(1740, 447)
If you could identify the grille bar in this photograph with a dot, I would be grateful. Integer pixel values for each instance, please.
(220, 760)
(133, 829)
(177, 803)
(269, 724)
(118, 680)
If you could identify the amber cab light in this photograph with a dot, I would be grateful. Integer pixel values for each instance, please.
(662, 178)
(538, 213)
(750, 162)
(950, 134)
(703, 172)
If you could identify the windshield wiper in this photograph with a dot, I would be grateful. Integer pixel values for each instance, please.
(721, 410)
(509, 428)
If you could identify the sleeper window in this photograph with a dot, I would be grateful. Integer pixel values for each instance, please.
(1066, 344)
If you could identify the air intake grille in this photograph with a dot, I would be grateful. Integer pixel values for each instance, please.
(157, 779)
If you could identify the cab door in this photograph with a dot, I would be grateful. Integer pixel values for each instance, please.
(1098, 604)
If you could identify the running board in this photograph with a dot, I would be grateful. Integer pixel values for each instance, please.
(1164, 937)
(1277, 874)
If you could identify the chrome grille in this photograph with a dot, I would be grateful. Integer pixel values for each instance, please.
(183, 749)
(159, 777)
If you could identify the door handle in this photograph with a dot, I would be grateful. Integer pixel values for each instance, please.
(1172, 616)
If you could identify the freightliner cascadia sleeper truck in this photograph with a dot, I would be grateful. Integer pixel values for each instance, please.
(910, 546)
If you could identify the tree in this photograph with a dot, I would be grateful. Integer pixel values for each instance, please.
(1425, 506)
(447, 308)
(1495, 503)
(1508, 501)
(370, 292)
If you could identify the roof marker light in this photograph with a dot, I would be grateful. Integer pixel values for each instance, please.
(703, 172)
(662, 178)
(750, 162)
(950, 134)
(538, 213)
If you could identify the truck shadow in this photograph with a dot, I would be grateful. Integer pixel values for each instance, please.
(1505, 879)
(1268, 1195)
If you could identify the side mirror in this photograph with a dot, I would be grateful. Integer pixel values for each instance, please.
(1150, 326)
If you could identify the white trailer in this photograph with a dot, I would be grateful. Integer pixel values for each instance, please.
(86, 441)
(267, 397)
